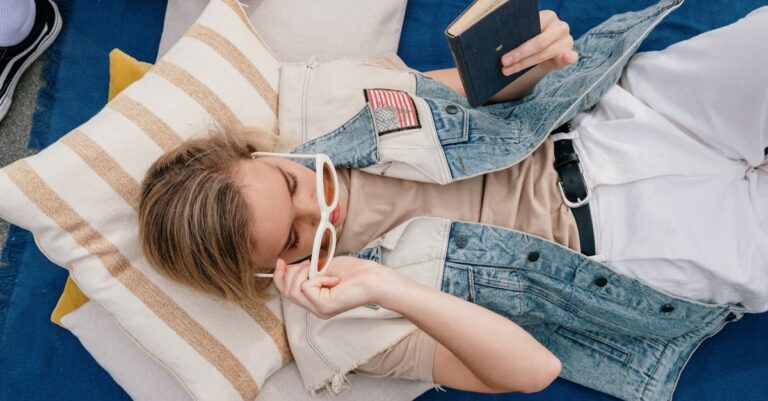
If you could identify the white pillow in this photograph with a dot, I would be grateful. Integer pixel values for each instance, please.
(79, 198)
(144, 379)
(300, 29)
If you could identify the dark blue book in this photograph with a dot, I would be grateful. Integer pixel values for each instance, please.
(484, 32)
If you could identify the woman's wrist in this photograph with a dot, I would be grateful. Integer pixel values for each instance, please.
(384, 283)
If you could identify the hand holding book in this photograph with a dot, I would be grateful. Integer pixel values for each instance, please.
(552, 49)
(482, 36)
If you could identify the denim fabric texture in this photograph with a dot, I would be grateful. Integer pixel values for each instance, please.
(612, 333)
(489, 138)
(353, 145)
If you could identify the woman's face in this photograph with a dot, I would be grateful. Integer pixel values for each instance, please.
(282, 200)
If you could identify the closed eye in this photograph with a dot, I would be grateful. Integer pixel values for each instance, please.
(294, 183)
(291, 183)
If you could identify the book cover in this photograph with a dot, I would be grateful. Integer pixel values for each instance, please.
(478, 38)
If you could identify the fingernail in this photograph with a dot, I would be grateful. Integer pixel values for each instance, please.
(507, 60)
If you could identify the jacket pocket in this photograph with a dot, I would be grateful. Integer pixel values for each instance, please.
(451, 121)
(592, 341)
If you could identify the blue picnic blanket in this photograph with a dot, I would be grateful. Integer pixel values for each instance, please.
(40, 361)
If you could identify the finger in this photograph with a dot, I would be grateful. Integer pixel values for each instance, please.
(560, 45)
(317, 290)
(561, 61)
(289, 277)
(569, 57)
(546, 17)
(301, 299)
(563, 45)
(301, 274)
(550, 33)
(279, 275)
(326, 281)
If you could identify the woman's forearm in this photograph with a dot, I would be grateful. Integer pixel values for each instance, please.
(515, 90)
(500, 353)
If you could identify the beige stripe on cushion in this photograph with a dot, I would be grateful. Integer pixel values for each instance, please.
(120, 268)
(155, 128)
(238, 9)
(230, 52)
(105, 166)
(273, 326)
(198, 91)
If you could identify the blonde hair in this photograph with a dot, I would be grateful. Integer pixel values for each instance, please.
(194, 225)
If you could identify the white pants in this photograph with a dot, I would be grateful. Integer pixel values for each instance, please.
(675, 156)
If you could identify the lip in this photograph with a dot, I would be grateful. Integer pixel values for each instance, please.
(334, 215)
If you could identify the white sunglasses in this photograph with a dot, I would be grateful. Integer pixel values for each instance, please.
(324, 245)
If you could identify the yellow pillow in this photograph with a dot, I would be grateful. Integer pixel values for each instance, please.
(123, 71)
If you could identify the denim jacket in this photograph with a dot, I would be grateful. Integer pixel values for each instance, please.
(612, 333)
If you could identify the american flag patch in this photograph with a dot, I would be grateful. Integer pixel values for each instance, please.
(392, 110)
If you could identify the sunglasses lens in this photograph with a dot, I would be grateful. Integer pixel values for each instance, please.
(325, 249)
(329, 184)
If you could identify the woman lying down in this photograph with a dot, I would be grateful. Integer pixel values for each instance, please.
(604, 253)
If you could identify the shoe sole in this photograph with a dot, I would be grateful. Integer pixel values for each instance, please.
(6, 104)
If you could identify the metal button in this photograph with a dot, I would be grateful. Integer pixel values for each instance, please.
(601, 281)
(461, 242)
(533, 256)
(451, 109)
(667, 308)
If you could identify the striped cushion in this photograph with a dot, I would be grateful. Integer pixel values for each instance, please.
(79, 198)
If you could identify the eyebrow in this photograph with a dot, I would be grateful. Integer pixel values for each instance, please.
(287, 188)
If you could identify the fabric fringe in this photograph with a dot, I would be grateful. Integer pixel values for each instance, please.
(338, 385)
(17, 241)
(40, 137)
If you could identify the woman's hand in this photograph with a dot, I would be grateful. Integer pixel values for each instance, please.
(551, 49)
(348, 283)
(478, 350)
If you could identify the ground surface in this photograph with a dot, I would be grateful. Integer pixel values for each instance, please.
(15, 127)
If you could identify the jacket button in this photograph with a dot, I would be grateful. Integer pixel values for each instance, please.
(451, 109)
(461, 242)
(601, 281)
(667, 308)
(533, 256)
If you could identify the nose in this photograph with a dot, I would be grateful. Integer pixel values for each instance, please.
(307, 209)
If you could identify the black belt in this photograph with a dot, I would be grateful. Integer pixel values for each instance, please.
(574, 190)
